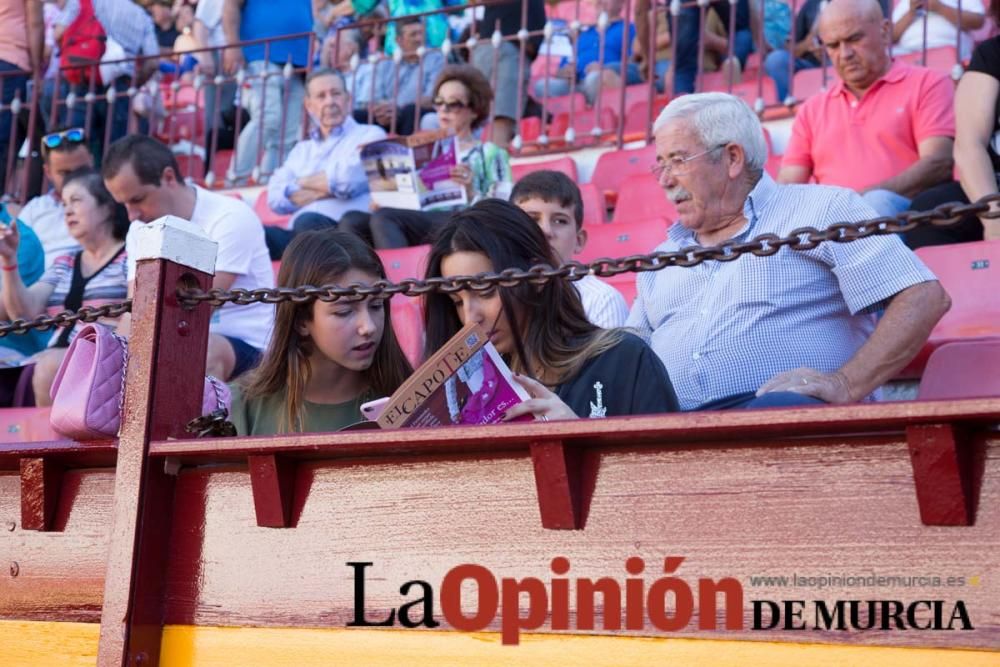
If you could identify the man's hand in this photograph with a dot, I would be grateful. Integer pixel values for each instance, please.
(10, 239)
(232, 60)
(304, 197)
(383, 112)
(544, 404)
(567, 71)
(317, 182)
(829, 387)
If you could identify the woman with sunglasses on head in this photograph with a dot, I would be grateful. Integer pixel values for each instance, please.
(325, 358)
(570, 367)
(462, 97)
(92, 276)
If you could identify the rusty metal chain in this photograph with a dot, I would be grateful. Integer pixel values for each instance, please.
(66, 318)
(803, 238)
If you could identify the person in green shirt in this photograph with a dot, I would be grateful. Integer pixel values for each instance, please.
(325, 358)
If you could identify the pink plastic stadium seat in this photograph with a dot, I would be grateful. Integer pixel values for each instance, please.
(562, 104)
(583, 123)
(564, 164)
(267, 216)
(408, 325)
(594, 210)
(970, 272)
(403, 263)
(942, 59)
(642, 198)
(611, 97)
(622, 239)
(191, 166)
(612, 167)
(962, 369)
(748, 91)
(808, 82)
(531, 127)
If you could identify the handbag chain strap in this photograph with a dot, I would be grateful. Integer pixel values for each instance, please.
(121, 392)
(215, 424)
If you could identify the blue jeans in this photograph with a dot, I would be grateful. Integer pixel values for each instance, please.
(12, 85)
(688, 31)
(589, 84)
(776, 65)
(99, 119)
(886, 202)
(271, 109)
(772, 399)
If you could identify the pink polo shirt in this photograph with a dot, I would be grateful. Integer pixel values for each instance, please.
(14, 34)
(857, 143)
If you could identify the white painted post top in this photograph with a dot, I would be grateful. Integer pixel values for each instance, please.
(176, 239)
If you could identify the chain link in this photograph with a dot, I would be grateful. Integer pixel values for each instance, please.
(67, 318)
(803, 238)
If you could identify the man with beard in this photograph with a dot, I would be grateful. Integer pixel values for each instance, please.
(797, 328)
(323, 177)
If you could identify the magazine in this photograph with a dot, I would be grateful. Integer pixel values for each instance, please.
(465, 382)
(414, 172)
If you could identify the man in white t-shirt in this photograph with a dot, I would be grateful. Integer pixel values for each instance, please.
(62, 152)
(142, 174)
(554, 202)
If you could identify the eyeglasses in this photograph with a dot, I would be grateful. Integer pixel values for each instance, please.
(450, 107)
(675, 164)
(74, 135)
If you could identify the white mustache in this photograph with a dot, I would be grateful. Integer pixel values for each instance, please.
(678, 193)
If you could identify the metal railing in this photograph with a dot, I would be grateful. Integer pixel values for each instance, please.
(174, 103)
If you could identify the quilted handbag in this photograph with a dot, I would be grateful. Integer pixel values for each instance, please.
(89, 387)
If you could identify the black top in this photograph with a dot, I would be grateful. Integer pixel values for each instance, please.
(986, 59)
(628, 379)
(509, 15)
(166, 38)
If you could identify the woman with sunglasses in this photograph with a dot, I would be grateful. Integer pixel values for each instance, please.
(570, 367)
(92, 276)
(462, 98)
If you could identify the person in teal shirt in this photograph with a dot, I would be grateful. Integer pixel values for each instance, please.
(14, 348)
(437, 24)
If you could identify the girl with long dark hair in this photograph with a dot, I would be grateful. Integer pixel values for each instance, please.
(570, 367)
(325, 358)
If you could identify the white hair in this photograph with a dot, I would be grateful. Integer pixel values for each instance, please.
(719, 119)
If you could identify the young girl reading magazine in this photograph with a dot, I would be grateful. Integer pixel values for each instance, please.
(569, 367)
(325, 358)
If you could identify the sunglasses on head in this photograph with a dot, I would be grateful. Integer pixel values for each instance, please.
(74, 135)
(451, 107)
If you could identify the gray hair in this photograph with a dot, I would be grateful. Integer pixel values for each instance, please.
(718, 119)
(324, 71)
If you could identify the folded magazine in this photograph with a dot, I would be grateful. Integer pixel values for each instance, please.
(465, 382)
(413, 172)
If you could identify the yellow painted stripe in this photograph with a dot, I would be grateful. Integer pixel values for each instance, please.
(31, 644)
(37, 644)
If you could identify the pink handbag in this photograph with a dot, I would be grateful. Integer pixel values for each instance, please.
(89, 387)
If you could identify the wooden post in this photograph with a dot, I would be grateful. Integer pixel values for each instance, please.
(164, 381)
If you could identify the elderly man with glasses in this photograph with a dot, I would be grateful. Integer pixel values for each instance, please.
(795, 328)
(323, 177)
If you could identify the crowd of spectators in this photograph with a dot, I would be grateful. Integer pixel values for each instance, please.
(829, 325)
